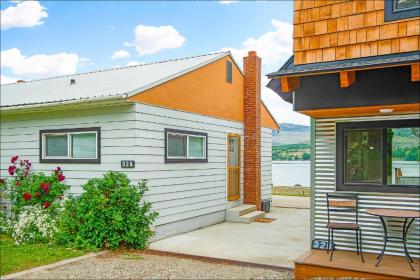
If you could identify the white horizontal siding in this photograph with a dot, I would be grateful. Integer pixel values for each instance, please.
(266, 163)
(136, 132)
(324, 170)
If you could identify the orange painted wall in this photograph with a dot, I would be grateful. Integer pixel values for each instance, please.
(204, 91)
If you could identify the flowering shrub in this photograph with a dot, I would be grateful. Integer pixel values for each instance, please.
(110, 213)
(34, 224)
(28, 188)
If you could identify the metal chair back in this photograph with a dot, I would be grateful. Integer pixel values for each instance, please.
(342, 203)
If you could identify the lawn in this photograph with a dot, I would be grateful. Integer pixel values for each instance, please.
(17, 258)
(292, 191)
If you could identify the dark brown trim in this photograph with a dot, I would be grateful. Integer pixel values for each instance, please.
(184, 160)
(340, 143)
(67, 160)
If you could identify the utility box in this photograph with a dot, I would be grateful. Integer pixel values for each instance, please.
(265, 205)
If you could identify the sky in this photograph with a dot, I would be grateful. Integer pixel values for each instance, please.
(42, 39)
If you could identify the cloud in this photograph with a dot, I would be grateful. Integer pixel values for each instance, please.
(274, 47)
(7, 80)
(24, 14)
(120, 54)
(281, 110)
(134, 63)
(228, 2)
(151, 39)
(41, 65)
(127, 44)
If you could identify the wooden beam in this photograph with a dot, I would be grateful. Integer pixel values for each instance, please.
(289, 83)
(415, 72)
(413, 108)
(347, 78)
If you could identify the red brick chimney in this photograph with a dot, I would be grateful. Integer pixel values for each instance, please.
(252, 129)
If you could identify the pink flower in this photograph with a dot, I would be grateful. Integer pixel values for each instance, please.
(38, 194)
(18, 183)
(47, 204)
(14, 159)
(27, 196)
(12, 170)
(45, 187)
(61, 177)
(57, 170)
(26, 173)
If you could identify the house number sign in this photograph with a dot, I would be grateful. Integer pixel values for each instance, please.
(128, 164)
(321, 244)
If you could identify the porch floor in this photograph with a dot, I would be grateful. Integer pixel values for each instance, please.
(316, 263)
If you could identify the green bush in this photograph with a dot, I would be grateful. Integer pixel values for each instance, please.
(110, 213)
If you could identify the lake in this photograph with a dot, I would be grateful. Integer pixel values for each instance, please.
(290, 173)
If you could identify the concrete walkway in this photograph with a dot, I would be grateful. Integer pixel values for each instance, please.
(277, 243)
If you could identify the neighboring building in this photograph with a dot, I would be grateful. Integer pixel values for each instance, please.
(356, 72)
(177, 123)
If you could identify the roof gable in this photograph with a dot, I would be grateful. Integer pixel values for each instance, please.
(101, 84)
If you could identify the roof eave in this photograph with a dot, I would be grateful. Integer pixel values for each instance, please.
(54, 104)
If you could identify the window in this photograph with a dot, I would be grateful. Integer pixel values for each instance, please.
(380, 156)
(400, 9)
(80, 145)
(185, 146)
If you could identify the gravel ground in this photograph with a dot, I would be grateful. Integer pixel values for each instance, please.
(146, 266)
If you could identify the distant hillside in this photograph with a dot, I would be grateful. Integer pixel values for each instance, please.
(292, 134)
(291, 142)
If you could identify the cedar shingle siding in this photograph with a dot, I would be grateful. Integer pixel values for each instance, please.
(345, 29)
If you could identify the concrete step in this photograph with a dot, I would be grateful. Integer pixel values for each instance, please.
(233, 214)
(250, 217)
(244, 213)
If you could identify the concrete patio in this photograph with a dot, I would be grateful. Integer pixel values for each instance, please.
(277, 243)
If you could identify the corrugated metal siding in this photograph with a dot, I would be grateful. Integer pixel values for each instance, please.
(324, 181)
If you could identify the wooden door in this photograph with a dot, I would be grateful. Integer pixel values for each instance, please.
(234, 167)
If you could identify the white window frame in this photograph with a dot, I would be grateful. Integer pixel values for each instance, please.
(44, 158)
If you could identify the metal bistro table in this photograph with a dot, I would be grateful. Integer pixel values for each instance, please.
(408, 216)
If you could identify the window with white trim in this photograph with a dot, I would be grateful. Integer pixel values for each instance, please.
(185, 146)
(79, 145)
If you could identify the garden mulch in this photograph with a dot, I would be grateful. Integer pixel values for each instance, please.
(146, 265)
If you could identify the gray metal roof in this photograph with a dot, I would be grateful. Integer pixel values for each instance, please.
(290, 69)
(112, 83)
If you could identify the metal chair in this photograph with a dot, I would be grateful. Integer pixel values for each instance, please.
(339, 203)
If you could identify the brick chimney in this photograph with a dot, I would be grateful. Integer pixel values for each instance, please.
(252, 129)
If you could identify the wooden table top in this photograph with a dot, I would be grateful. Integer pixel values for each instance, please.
(393, 213)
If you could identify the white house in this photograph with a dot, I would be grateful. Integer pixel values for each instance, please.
(182, 124)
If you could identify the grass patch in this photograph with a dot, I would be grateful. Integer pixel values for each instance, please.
(127, 256)
(292, 191)
(14, 258)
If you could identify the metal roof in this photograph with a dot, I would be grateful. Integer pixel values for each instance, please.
(112, 83)
(290, 69)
